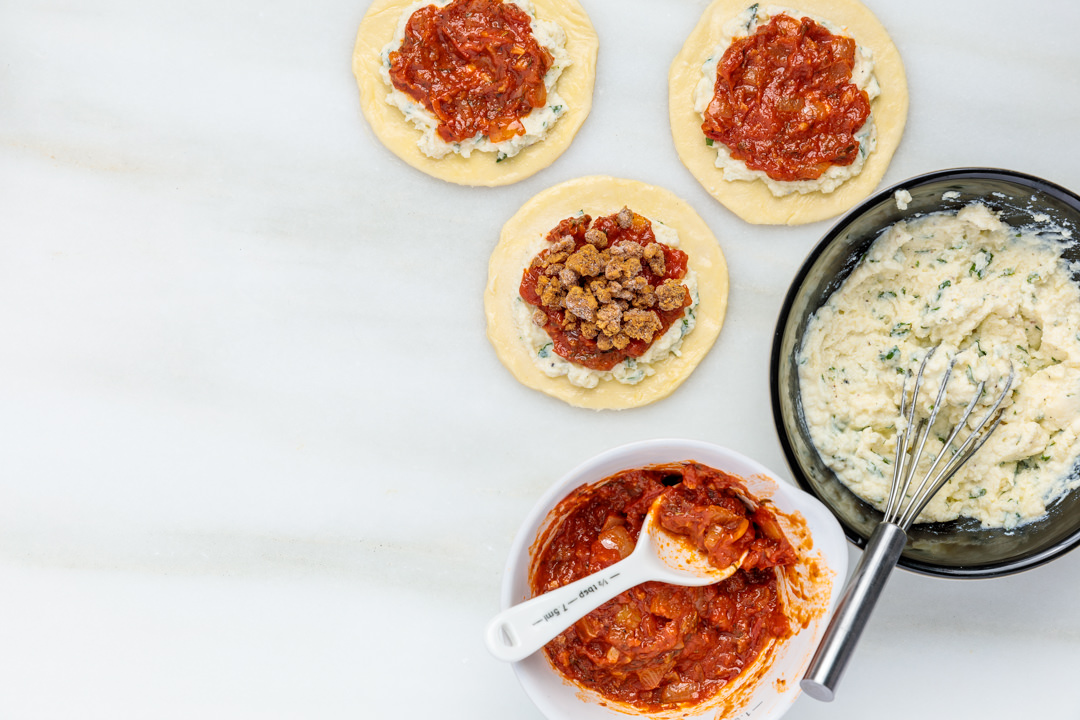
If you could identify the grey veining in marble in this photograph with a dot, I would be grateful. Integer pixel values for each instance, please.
(253, 440)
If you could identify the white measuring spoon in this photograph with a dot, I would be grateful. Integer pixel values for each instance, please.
(522, 629)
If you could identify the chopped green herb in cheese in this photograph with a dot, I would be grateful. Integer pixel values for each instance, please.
(1026, 315)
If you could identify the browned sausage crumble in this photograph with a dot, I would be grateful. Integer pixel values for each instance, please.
(610, 286)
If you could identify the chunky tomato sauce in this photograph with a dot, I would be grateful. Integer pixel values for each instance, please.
(475, 65)
(659, 646)
(571, 340)
(784, 102)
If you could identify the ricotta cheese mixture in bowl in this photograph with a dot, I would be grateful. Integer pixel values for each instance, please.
(983, 263)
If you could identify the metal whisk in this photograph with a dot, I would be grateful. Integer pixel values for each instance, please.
(906, 500)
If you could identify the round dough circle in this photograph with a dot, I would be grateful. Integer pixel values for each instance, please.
(752, 201)
(400, 136)
(599, 196)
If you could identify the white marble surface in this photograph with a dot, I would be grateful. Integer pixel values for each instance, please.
(257, 459)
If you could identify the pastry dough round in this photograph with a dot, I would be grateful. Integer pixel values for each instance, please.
(575, 85)
(752, 201)
(599, 196)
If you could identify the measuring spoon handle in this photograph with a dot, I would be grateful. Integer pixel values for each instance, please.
(522, 629)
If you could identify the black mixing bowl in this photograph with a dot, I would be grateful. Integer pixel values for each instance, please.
(961, 548)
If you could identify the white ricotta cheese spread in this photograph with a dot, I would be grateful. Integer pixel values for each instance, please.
(630, 371)
(548, 34)
(991, 296)
(862, 76)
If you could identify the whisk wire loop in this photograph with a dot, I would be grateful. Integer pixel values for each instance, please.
(904, 505)
(906, 502)
(975, 439)
(904, 467)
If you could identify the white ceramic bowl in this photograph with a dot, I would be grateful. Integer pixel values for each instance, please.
(777, 689)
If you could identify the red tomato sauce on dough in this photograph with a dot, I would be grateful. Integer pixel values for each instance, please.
(784, 102)
(573, 345)
(475, 65)
(660, 646)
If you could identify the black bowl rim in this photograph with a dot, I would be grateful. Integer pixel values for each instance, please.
(989, 570)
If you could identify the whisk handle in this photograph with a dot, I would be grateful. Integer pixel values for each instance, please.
(853, 611)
